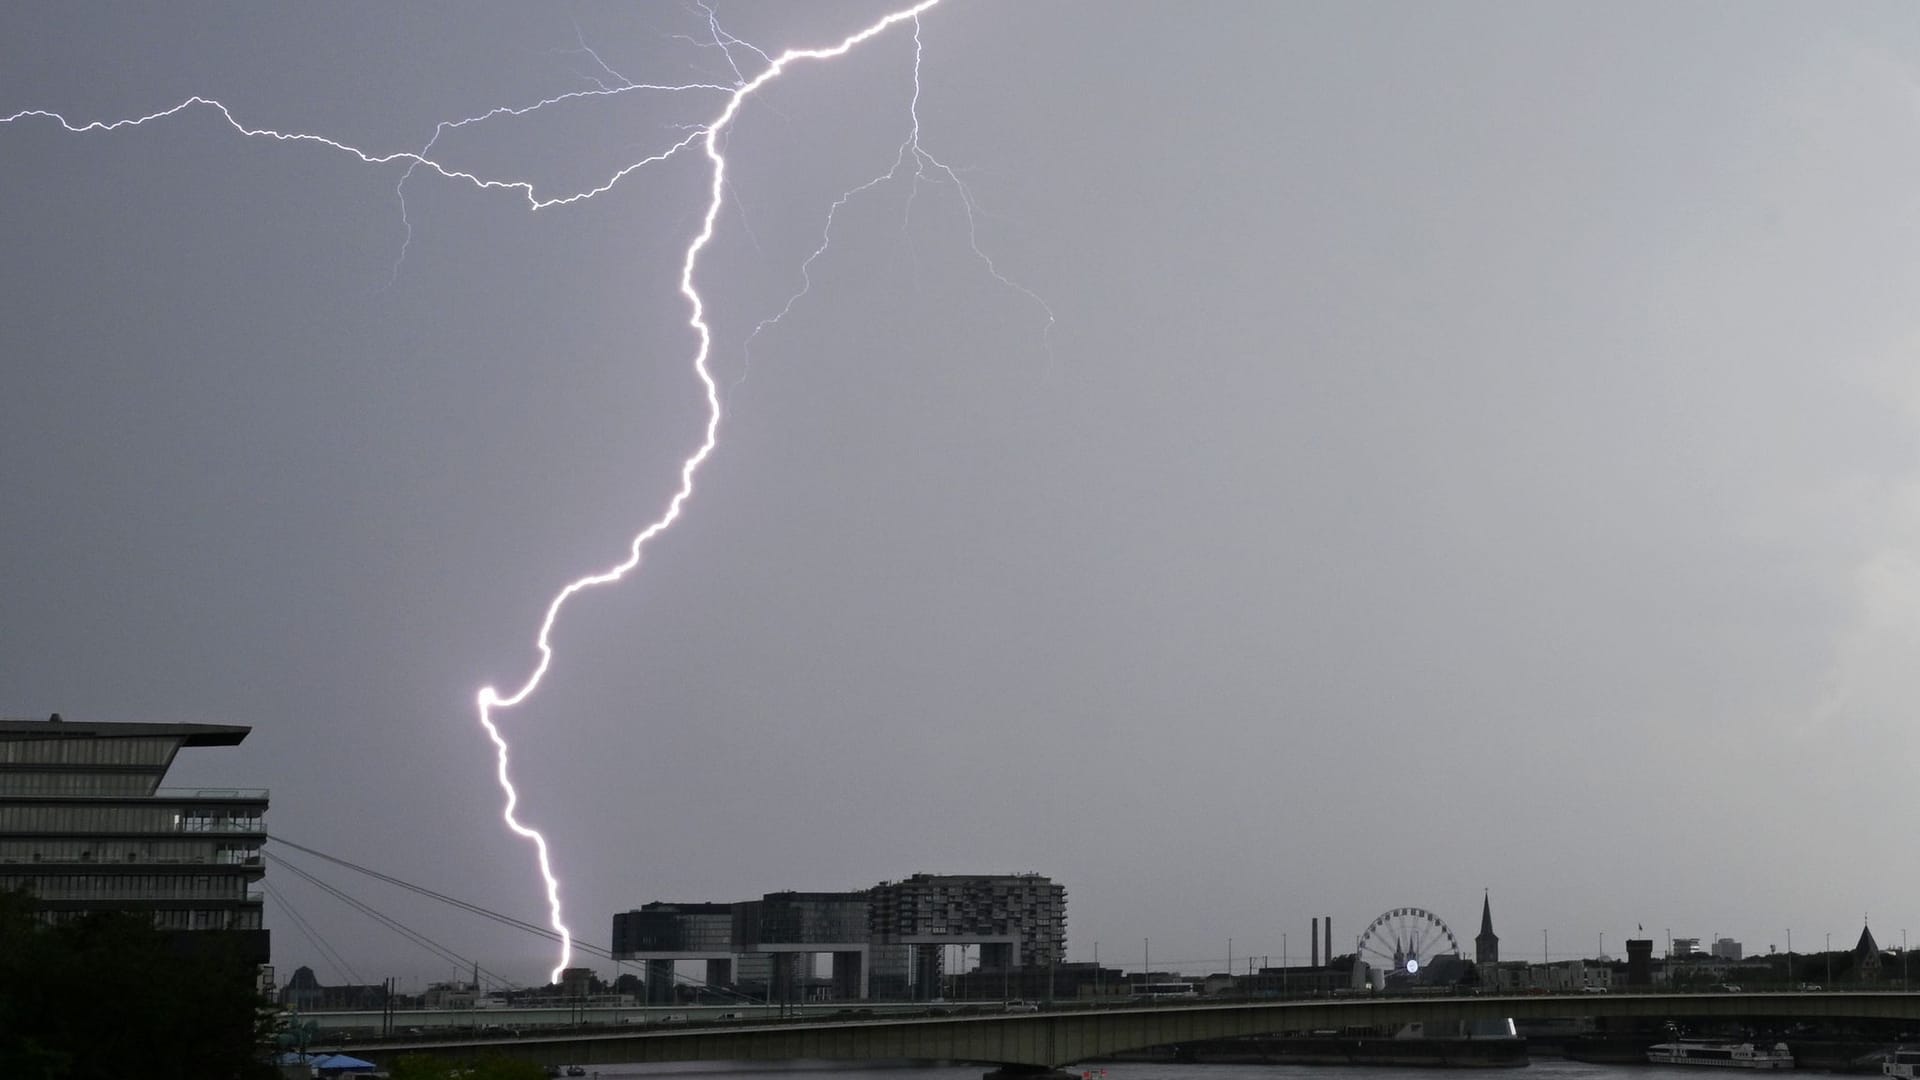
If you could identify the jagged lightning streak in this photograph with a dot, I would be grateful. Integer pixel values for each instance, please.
(489, 699)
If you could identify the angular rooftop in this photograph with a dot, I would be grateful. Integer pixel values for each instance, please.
(58, 728)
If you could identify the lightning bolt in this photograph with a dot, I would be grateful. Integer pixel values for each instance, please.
(490, 701)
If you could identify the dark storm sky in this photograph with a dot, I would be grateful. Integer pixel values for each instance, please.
(1476, 449)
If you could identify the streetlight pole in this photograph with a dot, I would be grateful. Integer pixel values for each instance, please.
(1283, 963)
(1903, 960)
(1601, 946)
(1790, 982)
(1829, 958)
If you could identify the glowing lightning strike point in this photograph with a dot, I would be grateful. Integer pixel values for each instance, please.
(490, 699)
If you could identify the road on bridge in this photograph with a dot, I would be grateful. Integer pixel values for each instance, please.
(1062, 1036)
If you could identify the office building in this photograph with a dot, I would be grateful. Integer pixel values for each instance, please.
(86, 826)
(885, 942)
(1018, 920)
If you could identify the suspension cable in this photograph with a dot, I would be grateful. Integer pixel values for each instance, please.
(405, 931)
(487, 913)
(327, 952)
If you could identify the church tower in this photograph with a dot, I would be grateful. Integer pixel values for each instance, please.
(1486, 944)
(1866, 955)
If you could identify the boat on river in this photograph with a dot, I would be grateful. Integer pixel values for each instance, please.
(1903, 1064)
(1721, 1055)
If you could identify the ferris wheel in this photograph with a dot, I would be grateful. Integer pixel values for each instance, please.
(1406, 939)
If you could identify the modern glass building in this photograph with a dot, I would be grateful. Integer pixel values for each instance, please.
(886, 942)
(86, 826)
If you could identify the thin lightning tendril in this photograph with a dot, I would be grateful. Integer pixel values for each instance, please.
(710, 137)
(910, 147)
(417, 160)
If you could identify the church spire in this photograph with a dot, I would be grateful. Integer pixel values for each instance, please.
(1486, 945)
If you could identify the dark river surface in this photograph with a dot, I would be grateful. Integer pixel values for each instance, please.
(1550, 1069)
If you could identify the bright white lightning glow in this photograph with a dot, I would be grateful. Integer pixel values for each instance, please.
(490, 700)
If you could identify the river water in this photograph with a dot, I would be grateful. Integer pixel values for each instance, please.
(1548, 1069)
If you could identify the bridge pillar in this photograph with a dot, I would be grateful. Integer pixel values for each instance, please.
(719, 973)
(996, 956)
(659, 982)
(927, 971)
(849, 976)
(787, 969)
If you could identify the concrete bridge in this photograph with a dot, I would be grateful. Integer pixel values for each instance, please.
(1034, 1043)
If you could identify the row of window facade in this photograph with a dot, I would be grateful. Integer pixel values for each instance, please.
(129, 819)
(76, 783)
(153, 751)
(90, 849)
(183, 918)
(130, 886)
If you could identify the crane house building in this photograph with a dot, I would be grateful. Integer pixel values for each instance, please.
(86, 826)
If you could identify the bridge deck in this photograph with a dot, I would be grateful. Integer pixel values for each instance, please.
(1067, 1035)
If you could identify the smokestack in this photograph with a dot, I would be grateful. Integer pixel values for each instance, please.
(1327, 925)
(1314, 937)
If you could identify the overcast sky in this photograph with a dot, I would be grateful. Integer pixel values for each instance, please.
(1476, 449)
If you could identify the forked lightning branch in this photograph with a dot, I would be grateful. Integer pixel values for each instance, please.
(709, 139)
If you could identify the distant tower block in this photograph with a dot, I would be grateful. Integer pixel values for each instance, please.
(1486, 944)
(1639, 961)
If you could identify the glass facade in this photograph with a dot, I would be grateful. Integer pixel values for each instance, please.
(797, 918)
(658, 928)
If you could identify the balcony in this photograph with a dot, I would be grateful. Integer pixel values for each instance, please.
(249, 794)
